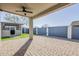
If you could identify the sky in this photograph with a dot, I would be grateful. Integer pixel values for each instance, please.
(59, 18)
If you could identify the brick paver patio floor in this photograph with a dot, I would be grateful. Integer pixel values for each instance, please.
(40, 46)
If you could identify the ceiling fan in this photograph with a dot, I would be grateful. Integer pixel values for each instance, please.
(24, 10)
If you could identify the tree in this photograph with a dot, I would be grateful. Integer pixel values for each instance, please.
(14, 18)
(9, 17)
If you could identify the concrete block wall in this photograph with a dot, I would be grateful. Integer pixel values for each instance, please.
(41, 31)
(34, 30)
(25, 30)
(52, 31)
(0, 31)
(60, 31)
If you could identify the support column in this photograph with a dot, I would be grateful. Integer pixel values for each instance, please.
(69, 33)
(0, 30)
(47, 31)
(30, 28)
(21, 28)
(36, 31)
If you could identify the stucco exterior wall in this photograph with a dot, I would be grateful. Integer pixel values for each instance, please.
(6, 33)
(75, 33)
(73, 30)
(17, 32)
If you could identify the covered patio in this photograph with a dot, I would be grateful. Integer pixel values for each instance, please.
(37, 10)
(37, 45)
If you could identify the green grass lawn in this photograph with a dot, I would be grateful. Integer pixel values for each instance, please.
(17, 37)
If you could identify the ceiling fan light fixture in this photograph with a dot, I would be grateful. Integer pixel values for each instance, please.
(23, 9)
(25, 14)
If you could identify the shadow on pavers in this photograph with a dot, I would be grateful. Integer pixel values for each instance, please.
(23, 49)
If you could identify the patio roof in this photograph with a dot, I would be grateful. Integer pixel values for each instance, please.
(38, 9)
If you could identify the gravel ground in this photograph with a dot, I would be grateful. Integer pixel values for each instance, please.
(40, 46)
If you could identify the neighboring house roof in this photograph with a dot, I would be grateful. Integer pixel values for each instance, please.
(12, 23)
(75, 23)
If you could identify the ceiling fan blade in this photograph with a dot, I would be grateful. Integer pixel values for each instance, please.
(28, 11)
(24, 10)
(19, 11)
(1, 10)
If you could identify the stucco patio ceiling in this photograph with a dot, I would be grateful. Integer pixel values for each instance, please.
(38, 9)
